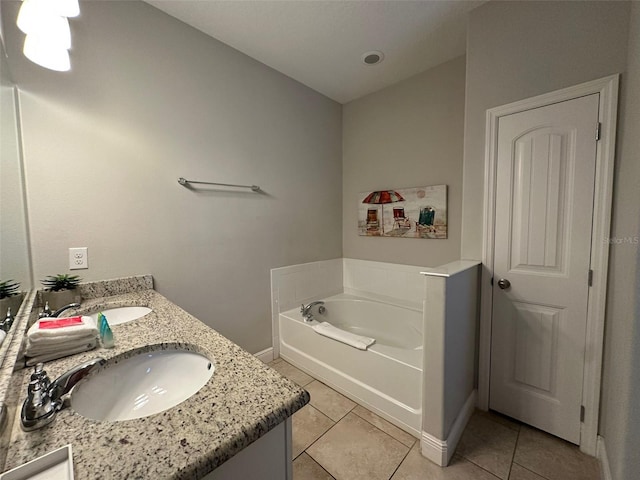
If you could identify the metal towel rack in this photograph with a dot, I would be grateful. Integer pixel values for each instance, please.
(183, 181)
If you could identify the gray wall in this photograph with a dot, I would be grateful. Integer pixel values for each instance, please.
(620, 420)
(150, 99)
(407, 135)
(516, 50)
(521, 49)
(14, 256)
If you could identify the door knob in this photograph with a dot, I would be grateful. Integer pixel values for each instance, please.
(503, 283)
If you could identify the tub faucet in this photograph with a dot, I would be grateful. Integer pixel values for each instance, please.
(45, 398)
(46, 312)
(305, 310)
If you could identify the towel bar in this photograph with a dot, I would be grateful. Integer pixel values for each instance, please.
(184, 181)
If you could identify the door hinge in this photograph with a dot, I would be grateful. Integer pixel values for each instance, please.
(598, 129)
(582, 413)
(591, 278)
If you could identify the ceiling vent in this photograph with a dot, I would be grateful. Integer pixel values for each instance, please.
(372, 58)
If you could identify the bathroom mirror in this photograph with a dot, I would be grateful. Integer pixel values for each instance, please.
(15, 261)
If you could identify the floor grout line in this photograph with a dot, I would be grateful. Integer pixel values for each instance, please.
(371, 423)
(314, 461)
(532, 471)
(493, 474)
(513, 455)
(317, 439)
(401, 461)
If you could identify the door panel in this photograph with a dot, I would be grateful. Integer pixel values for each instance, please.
(544, 202)
(535, 345)
(540, 165)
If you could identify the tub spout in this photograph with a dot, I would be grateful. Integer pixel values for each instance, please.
(305, 310)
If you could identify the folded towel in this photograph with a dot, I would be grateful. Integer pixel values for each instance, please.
(60, 340)
(351, 339)
(87, 327)
(62, 353)
(45, 349)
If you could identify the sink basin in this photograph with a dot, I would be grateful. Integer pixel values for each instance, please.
(118, 315)
(142, 385)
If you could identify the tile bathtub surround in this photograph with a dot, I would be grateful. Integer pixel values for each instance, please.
(363, 445)
(393, 283)
(243, 401)
(296, 284)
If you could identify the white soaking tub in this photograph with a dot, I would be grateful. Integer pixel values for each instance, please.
(386, 378)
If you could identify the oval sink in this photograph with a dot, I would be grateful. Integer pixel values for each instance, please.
(141, 385)
(118, 315)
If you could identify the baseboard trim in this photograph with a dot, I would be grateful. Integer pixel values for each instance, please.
(265, 355)
(601, 453)
(441, 451)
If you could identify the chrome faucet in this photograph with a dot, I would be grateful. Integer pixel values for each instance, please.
(7, 322)
(46, 398)
(305, 310)
(65, 382)
(38, 409)
(46, 312)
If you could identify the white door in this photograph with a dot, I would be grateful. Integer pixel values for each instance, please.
(544, 206)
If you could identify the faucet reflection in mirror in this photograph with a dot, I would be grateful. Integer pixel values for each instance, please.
(48, 36)
(10, 299)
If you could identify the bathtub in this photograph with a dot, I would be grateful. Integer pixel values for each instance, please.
(386, 378)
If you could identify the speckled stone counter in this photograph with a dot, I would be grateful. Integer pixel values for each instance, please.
(243, 400)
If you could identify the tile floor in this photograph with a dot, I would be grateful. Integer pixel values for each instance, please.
(336, 439)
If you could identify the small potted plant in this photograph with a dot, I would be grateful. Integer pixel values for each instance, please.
(59, 290)
(10, 297)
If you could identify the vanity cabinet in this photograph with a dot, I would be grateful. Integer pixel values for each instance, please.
(269, 457)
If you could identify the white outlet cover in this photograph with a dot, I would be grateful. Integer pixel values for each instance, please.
(78, 258)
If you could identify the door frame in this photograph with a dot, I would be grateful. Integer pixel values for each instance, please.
(607, 87)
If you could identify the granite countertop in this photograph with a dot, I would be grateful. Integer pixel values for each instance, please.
(243, 400)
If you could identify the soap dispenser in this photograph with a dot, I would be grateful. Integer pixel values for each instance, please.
(106, 335)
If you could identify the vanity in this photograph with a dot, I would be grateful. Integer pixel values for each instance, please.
(238, 425)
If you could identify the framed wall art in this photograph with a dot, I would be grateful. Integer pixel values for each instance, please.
(417, 212)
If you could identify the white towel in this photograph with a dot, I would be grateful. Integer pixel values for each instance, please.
(351, 339)
(88, 327)
(62, 353)
(60, 340)
(46, 349)
(2, 335)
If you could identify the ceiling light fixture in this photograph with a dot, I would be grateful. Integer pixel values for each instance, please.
(373, 57)
(47, 28)
(45, 54)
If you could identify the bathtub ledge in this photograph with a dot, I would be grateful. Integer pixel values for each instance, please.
(450, 269)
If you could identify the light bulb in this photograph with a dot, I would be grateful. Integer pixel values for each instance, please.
(34, 20)
(32, 14)
(46, 54)
(55, 31)
(66, 8)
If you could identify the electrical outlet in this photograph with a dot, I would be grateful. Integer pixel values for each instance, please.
(78, 258)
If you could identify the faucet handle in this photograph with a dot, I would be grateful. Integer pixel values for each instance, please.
(46, 311)
(38, 408)
(6, 323)
(302, 308)
(40, 376)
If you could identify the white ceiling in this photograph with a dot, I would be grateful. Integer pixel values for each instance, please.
(320, 42)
